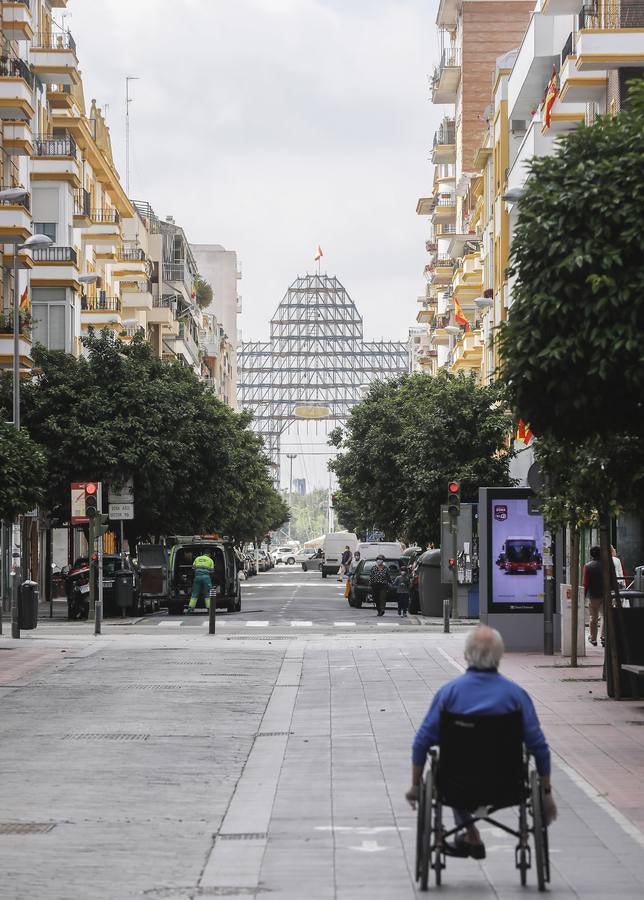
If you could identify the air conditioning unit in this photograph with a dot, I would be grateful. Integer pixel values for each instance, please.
(518, 126)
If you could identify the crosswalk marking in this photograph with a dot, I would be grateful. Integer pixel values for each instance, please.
(174, 624)
(301, 624)
(256, 624)
(345, 624)
(388, 624)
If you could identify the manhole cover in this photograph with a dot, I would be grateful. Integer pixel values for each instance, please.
(244, 836)
(584, 680)
(273, 733)
(97, 736)
(26, 827)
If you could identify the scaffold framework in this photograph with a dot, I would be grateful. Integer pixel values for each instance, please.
(316, 364)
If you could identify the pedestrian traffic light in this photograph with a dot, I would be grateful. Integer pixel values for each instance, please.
(451, 564)
(454, 498)
(91, 499)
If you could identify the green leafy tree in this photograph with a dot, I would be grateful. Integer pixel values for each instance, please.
(406, 440)
(309, 515)
(203, 291)
(24, 472)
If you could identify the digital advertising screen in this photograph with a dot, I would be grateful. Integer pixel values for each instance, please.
(516, 563)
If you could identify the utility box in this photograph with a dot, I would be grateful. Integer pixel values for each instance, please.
(467, 547)
(431, 590)
(28, 606)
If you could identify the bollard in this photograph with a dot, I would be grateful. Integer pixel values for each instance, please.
(212, 615)
(98, 617)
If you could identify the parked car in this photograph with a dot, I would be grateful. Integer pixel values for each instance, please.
(284, 555)
(265, 562)
(314, 563)
(226, 589)
(303, 555)
(360, 584)
(77, 587)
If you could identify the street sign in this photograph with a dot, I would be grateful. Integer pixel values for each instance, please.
(121, 493)
(78, 516)
(120, 511)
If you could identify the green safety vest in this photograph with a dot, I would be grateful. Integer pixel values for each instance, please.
(203, 565)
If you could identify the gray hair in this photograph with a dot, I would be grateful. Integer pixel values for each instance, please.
(484, 648)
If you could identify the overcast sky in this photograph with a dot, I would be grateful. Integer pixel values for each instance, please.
(270, 126)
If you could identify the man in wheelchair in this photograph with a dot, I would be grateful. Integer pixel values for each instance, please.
(482, 725)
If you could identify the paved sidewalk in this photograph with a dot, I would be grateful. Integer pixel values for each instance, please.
(181, 766)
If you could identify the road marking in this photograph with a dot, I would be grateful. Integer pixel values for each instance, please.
(388, 624)
(171, 624)
(301, 624)
(345, 624)
(256, 624)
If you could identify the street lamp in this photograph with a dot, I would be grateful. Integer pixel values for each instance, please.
(35, 242)
(290, 457)
(514, 195)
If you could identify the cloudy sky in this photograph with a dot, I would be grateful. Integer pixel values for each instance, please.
(270, 126)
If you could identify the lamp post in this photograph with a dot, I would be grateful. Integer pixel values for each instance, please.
(35, 242)
(290, 457)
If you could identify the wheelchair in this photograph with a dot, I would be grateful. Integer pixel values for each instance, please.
(481, 766)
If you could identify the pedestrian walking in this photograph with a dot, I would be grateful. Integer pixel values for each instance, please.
(203, 569)
(344, 562)
(401, 586)
(379, 581)
(353, 565)
(619, 569)
(593, 584)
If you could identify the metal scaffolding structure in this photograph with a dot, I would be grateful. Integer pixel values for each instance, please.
(316, 364)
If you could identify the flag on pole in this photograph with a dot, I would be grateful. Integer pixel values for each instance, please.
(524, 433)
(552, 92)
(25, 302)
(318, 255)
(459, 316)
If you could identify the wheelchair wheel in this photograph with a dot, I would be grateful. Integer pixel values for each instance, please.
(424, 834)
(540, 831)
(522, 852)
(438, 865)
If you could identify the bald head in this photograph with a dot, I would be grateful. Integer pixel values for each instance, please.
(484, 648)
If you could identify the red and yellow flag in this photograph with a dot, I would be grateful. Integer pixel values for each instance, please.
(25, 302)
(524, 433)
(318, 254)
(552, 92)
(459, 316)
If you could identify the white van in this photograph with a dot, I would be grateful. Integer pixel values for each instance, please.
(374, 549)
(333, 548)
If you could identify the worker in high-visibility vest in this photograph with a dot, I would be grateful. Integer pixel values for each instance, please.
(203, 569)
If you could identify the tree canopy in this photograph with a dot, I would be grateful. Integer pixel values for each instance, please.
(405, 441)
(24, 470)
(573, 357)
(120, 412)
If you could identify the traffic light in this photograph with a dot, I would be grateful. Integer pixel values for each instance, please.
(454, 498)
(91, 499)
(100, 525)
(451, 564)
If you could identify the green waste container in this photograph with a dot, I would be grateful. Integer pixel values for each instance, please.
(124, 589)
(430, 589)
(28, 606)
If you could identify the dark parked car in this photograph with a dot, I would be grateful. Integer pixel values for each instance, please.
(360, 584)
(77, 587)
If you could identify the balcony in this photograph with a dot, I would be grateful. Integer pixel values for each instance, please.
(82, 207)
(16, 89)
(580, 87)
(534, 143)
(105, 216)
(55, 266)
(105, 226)
(101, 311)
(17, 139)
(565, 117)
(15, 219)
(177, 273)
(24, 351)
(53, 56)
(136, 295)
(467, 282)
(100, 303)
(132, 263)
(444, 149)
(16, 20)
(55, 146)
(447, 76)
(60, 97)
(210, 348)
(539, 51)
(610, 35)
(444, 208)
(163, 312)
(55, 159)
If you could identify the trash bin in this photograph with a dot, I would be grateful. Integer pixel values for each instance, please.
(124, 589)
(432, 592)
(28, 605)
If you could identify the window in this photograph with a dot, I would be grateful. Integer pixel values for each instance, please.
(51, 313)
(47, 228)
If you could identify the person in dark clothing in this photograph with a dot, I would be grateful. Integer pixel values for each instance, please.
(344, 563)
(401, 586)
(593, 583)
(379, 580)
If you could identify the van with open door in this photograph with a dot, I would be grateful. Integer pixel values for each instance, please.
(333, 548)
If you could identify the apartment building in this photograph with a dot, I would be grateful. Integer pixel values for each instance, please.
(221, 269)
(472, 34)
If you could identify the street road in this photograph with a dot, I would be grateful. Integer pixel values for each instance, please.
(270, 760)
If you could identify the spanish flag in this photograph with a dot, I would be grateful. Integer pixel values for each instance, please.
(459, 316)
(25, 302)
(552, 92)
(318, 254)
(524, 433)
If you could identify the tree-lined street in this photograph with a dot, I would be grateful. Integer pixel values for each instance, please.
(273, 760)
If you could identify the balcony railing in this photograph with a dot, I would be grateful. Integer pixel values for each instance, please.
(48, 40)
(164, 302)
(175, 272)
(443, 259)
(24, 2)
(56, 255)
(24, 201)
(446, 134)
(82, 203)
(105, 217)
(131, 254)
(50, 145)
(442, 230)
(12, 66)
(612, 14)
(445, 200)
(100, 302)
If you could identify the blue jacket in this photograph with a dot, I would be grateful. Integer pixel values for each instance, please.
(479, 692)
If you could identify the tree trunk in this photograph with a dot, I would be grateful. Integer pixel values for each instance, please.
(611, 654)
(574, 589)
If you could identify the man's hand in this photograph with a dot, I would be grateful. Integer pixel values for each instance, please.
(549, 809)
(413, 795)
